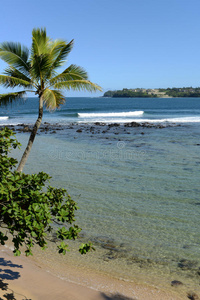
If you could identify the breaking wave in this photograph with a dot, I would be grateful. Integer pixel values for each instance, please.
(111, 114)
(4, 118)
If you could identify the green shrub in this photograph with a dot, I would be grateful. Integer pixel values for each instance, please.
(29, 208)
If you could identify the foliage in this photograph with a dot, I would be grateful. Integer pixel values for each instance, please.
(183, 92)
(142, 93)
(28, 208)
(127, 93)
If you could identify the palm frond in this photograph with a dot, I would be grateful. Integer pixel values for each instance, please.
(39, 71)
(16, 73)
(59, 52)
(78, 85)
(41, 57)
(41, 66)
(6, 99)
(40, 42)
(52, 99)
(15, 55)
(9, 81)
(73, 72)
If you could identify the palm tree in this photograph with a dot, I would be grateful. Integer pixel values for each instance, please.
(35, 71)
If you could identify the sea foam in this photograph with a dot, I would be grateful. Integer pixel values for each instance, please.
(111, 114)
(4, 118)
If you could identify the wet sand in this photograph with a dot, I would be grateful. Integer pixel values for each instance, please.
(26, 278)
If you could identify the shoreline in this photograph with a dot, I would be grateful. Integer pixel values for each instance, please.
(99, 270)
(26, 278)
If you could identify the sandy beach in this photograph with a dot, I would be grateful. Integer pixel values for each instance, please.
(24, 278)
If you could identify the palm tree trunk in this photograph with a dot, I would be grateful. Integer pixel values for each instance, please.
(32, 137)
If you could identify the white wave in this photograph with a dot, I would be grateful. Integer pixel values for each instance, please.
(139, 120)
(4, 118)
(171, 120)
(118, 114)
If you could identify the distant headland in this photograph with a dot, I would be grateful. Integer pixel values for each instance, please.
(154, 93)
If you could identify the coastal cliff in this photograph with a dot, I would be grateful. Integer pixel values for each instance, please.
(154, 93)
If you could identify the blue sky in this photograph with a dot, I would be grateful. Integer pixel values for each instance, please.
(121, 43)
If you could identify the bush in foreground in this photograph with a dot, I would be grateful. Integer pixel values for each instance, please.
(29, 208)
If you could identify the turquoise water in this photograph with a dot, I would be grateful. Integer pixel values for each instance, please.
(137, 187)
(138, 195)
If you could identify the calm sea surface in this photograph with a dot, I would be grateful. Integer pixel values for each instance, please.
(137, 187)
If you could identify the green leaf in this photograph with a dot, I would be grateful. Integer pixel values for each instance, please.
(53, 99)
(84, 248)
(15, 55)
(17, 252)
(5, 99)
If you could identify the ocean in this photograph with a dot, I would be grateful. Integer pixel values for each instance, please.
(109, 110)
(137, 187)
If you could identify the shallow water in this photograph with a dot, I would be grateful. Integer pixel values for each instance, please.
(138, 193)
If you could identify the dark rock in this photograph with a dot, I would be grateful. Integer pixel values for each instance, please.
(176, 283)
(109, 246)
(113, 125)
(114, 255)
(54, 238)
(186, 264)
(142, 132)
(116, 250)
(186, 246)
(135, 124)
(79, 130)
(198, 272)
(26, 129)
(104, 242)
(192, 296)
(142, 262)
(133, 212)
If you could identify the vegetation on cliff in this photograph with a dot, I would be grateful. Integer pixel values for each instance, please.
(154, 93)
(128, 93)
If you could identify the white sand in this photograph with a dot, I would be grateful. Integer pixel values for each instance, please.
(27, 280)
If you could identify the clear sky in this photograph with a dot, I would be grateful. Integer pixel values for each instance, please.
(121, 43)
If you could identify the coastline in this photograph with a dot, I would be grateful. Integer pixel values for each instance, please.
(113, 265)
(26, 278)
